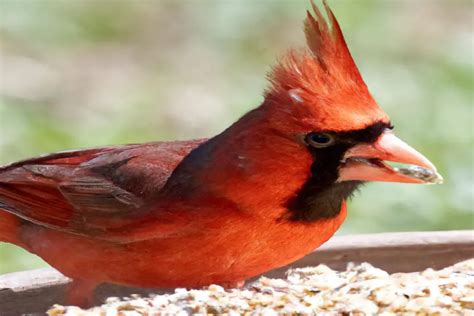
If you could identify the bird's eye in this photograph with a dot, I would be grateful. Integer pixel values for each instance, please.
(319, 140)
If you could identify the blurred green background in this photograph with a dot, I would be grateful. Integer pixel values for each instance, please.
(89, 73)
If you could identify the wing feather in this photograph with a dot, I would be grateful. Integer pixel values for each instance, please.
(92, 192)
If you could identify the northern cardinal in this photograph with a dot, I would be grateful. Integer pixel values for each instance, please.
(263, 193)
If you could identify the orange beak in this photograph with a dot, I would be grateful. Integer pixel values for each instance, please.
(367, 162)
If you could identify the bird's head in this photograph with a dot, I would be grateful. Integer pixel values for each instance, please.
(320, 97)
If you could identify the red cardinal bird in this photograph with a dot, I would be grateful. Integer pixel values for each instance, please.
(266, 191)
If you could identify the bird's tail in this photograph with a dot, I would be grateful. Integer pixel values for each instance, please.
(9, 225)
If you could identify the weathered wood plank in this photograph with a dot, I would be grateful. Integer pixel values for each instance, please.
(34, 291)
(393, 252)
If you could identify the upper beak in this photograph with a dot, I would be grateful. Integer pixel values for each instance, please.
(365, 162)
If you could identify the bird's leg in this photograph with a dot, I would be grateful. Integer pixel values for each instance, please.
(81, 293)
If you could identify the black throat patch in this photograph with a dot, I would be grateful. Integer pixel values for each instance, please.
(321, 197)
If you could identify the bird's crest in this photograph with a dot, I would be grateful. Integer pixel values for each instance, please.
(322, 76)
(328, 55)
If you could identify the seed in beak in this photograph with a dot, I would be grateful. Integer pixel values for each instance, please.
(421, 173)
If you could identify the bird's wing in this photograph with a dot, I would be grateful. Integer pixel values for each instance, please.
(102, 193)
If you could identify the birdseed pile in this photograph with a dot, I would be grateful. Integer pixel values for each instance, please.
(360, 290)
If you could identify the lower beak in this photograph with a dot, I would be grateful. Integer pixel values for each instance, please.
(368, 162)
